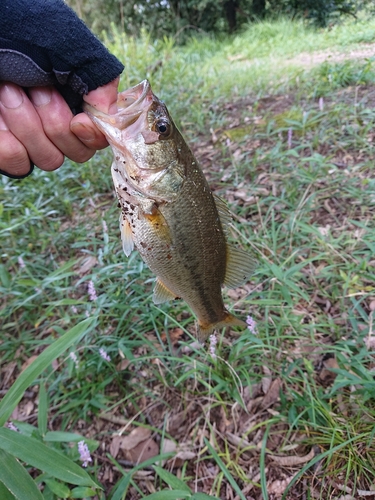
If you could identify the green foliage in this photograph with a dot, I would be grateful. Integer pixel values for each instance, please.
(177, 18)
(183, 18)
(33, 445)
(299, 173)
(321, 12)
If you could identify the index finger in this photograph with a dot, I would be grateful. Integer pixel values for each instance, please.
(104, 98)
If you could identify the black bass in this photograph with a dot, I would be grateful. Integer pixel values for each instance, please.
(168, 211)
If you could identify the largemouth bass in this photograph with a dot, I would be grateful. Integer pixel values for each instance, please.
(168, 211)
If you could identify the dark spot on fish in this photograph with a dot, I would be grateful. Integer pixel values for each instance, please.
(132, 207)
(149, 249)
(142, 244)
(125, 188)
(117, 158)
(169, 256)
(116, 170)
(118, 205)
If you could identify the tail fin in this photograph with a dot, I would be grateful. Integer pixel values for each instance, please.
(205, 330)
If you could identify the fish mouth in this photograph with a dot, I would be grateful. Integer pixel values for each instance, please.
(131, 103)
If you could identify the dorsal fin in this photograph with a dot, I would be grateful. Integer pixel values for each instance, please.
(240, 266)
(224, 212)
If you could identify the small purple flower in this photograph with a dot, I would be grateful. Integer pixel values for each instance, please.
(21, 263)
(12, 427)
(290, 135)
(104, 355)
(84, 453)
(74, 310)
(321, 103)
(252, 326)
(91, 291)
(213, 342)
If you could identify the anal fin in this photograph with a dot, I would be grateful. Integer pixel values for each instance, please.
(162, 293)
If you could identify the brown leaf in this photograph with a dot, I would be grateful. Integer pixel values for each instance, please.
(124, 363)
(6, 373)
(174, 334)
(114, 447)
(279, 486)
(86, 264)
(137, 435)
(293, 461)
(327, 375)
(143, 451)
(272, 395)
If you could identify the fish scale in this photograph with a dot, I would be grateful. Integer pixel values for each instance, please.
(168, 211)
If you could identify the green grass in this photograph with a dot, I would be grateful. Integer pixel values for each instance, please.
(299, 177)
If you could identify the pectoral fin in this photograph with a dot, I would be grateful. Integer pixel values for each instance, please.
(239, 268)
(126, 236)
(162, 293)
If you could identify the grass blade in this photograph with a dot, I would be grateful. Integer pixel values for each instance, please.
(42, 409)
(224, 469)
(27, 377)
(38, 455)
(171, 480)
(16, 479)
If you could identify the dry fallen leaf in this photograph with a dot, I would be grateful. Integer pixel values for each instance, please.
(278, 487)
(137, 435)
(86, 264)
(327, 375)
(114, 447)
(138, 446)
(293, 461)
(143, 451)
(272, 394)
(124, 363)
(174, 335)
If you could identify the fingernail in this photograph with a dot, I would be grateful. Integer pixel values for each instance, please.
(10, 96)
(40, 96)
(83, 132)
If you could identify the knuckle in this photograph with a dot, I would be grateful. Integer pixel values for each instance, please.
(83, 155)
(14, 158)
(50, 162)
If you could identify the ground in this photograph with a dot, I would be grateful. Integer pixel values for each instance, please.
(252, 160)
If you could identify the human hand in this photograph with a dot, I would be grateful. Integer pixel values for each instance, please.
(38, 126)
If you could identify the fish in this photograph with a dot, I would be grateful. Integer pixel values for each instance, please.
(168, 211)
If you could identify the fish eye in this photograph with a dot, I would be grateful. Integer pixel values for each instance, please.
(162, 127)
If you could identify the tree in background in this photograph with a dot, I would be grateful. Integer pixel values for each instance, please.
(171, 17)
